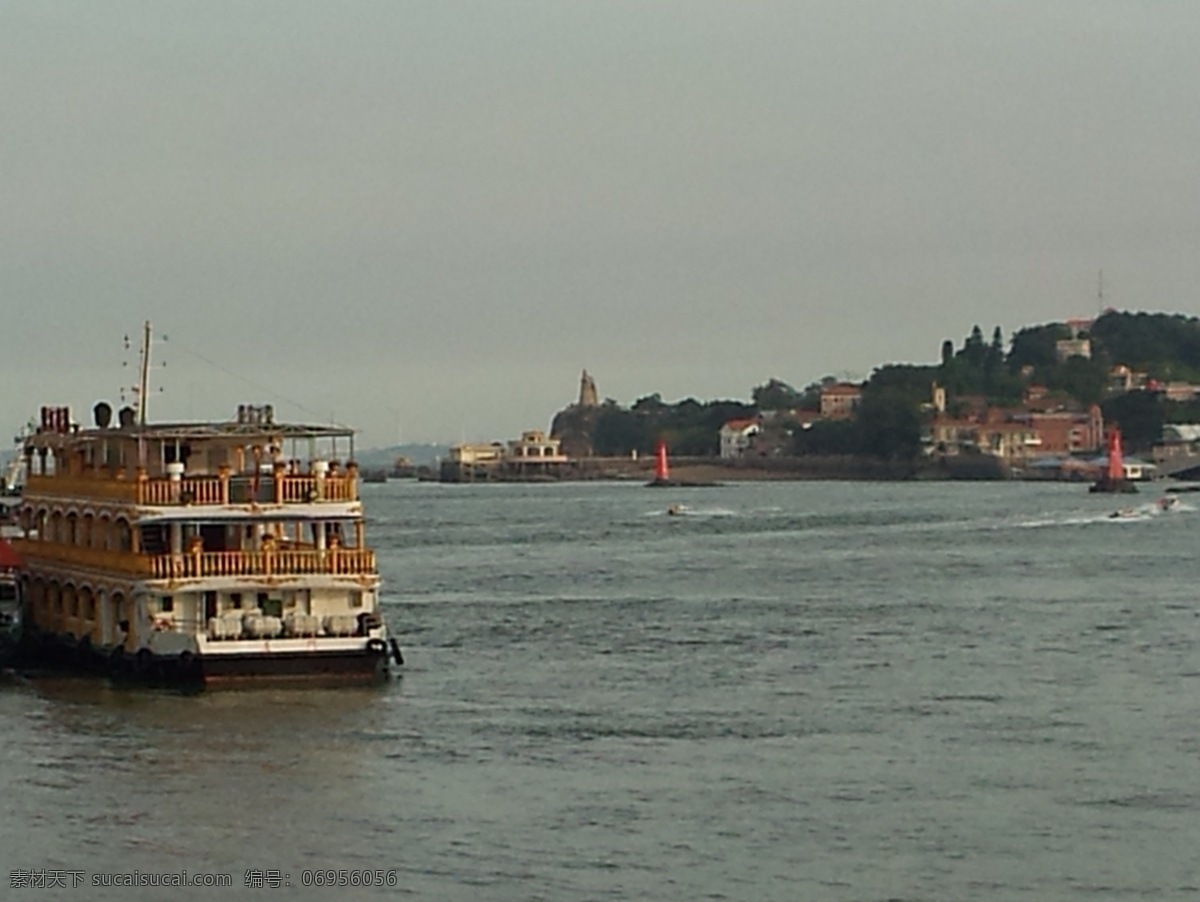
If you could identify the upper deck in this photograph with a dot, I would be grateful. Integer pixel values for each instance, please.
(248, 461)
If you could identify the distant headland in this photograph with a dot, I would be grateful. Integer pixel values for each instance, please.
(1034, 405)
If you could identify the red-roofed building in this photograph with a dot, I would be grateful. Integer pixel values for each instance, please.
(840, 400)
(738, 435)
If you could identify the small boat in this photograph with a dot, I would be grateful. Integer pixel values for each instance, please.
(675, 510)
(1125, 513)
(1167, 503)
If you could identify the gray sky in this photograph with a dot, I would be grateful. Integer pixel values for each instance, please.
(425, 218)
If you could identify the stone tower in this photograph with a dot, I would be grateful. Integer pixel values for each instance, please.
(587, 391)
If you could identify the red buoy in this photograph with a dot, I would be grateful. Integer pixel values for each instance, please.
(661, 471)
(1116, 465)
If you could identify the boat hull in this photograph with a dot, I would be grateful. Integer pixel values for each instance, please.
(362, 666)
(308, 667)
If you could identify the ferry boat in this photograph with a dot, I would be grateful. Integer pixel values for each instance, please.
(206, 553)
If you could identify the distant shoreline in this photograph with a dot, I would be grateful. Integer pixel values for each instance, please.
(808, 468)
(710, 470)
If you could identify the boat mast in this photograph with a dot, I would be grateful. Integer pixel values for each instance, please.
(144, 378)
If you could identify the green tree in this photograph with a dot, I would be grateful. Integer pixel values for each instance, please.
(649, 404)
(974, 351)
(1082, 378)
(618, 431)
(1035, 346)
(827, 437)
(1165, 345)
(889, 426)
(912, 383)
(1140, 414)
(775, 395)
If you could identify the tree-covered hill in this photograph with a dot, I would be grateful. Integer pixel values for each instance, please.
(896, 397)
(1166, 346)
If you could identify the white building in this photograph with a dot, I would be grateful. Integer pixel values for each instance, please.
(736, 437)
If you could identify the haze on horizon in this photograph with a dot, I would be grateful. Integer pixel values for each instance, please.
(424, 219)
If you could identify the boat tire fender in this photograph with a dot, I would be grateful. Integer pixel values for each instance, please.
(397, 655)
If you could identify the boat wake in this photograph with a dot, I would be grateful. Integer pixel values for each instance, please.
(687, 510)
(1141, 513)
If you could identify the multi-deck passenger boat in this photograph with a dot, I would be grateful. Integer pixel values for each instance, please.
(204, 552)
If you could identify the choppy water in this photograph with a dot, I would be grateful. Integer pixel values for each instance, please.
(793, 691)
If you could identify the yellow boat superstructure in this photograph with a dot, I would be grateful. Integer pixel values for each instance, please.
(208, 552)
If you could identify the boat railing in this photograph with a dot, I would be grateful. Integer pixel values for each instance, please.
(195, 565)
(335, 561)
(224, 488)
(173, 623)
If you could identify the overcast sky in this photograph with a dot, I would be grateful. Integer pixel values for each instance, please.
(424, 219)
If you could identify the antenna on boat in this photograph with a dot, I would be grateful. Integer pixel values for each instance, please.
(142, 389)
(144, 377)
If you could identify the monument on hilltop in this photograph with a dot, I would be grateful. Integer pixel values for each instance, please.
(588, 397)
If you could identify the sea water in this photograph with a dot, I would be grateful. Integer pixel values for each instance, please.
(789, 691)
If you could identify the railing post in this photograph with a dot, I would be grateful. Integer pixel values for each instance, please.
(223, 475)
(197, 550)
(320, 470)
(277, 470)
(175, 482)
(351, 481)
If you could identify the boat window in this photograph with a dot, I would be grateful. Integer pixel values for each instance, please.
(8, 592)
(235, 599)
(168, 604)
